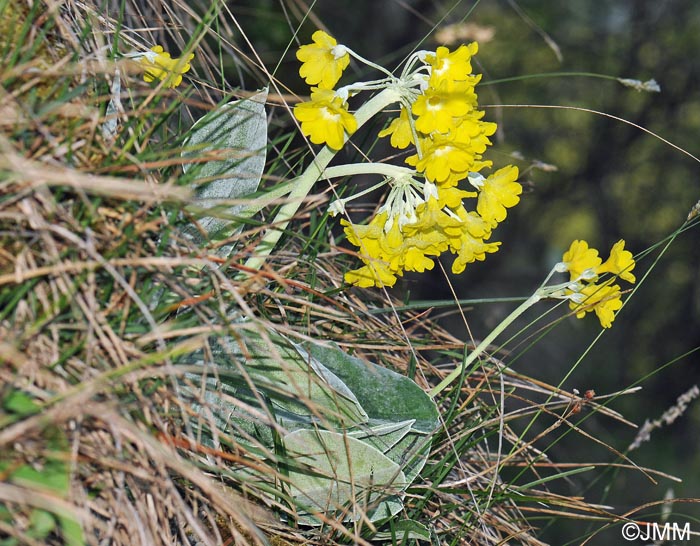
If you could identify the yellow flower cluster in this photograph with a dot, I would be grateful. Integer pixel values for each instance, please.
(425, 213)
(159, 65)
(325, 118)
(440, 223)
(447, 130)
(585, 266)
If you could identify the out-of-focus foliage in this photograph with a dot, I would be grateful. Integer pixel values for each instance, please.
(613, 180)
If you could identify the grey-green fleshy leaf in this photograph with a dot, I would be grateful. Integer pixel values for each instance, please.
(336, 474)
(384, 394)
(237, 134)
(298, 391)
(328, 402)
(383, 436)
(387, 397)
(298, 384)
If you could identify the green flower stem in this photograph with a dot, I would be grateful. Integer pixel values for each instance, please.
(273, 194)
(369, 63)
(314, 172)
(353, 169)
(542, 292)
(477, 352)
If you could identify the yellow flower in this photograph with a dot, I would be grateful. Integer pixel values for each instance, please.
(388, 252)
(619, 263)
(323, 61)
(400, 131)
(603, 299)
(381, 257)
(584, 266)
(455, 66)
(444, 161)
(448, 158)
(415, 259)
(472, 130)
(436, 108)
(374, 274)
(159, 65)
(325, 118)
(452, 197)
(580, 258)
(471, 225)
(430, 215)
(471, 250)
(498, 192)
(424, 214)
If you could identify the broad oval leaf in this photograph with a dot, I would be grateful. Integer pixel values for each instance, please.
(333, 473)
(383, 436)
(387, 397)
(236, 135)
(384, 394)
(297, 390)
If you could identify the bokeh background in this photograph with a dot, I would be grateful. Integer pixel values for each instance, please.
(586, 176)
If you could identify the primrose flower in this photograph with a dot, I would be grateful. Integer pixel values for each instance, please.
(325, 118)
(452, 197)
(585, 293)
(444, 162)
(159, 65)
(471, 250)
(619, 263)
(471, 225)
(604, 300)
(580, 258)
(498, 192)
(374, 251)
(387, 253)
(323, 61)
(400, 131)
(374, 274)
(451, 67)
(437, 107)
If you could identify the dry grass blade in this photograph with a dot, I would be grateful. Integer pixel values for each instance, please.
(23, 175)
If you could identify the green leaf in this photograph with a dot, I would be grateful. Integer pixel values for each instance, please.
(378, 424)
(298, 391)
(384, 394)
(343, 475)
(72, 530)
(20, 403)
(383, 436)
(387, 397)
(309, 386)
(41, 523)
(236, 133)
(51, 475)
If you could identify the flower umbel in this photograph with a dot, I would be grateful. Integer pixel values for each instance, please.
(159, 65)
(585, 293)
(425, 213)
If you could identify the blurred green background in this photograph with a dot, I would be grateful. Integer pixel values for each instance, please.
(606, 180)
